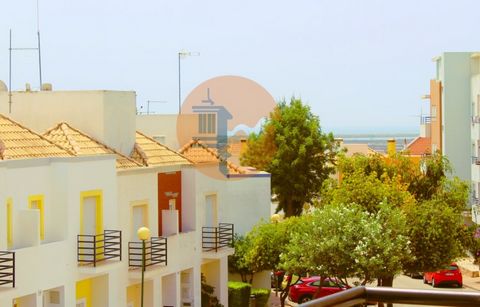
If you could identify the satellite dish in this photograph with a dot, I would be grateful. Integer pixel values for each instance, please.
(3, 86)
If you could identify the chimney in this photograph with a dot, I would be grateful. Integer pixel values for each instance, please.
(46, 87)
(391, 147)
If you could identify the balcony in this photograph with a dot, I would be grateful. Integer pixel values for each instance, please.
(475, 119)
(215, 238)
(7, 268)
(155, 252)
(475, 160)
(425, 120)
(362, 295)
(92, 249)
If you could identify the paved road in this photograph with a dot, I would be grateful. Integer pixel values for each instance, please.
(403, 282)
(410, 283)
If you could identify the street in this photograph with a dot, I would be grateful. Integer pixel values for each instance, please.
(403, 282)
(406, 282)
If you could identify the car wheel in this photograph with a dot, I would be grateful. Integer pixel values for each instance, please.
(304, 299)
(460, 285)
(425, 280)
(433, 283)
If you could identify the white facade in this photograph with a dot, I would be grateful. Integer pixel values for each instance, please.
(453, 70)
(48, 270)
(108, 116)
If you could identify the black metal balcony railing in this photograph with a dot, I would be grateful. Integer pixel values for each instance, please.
(155, 252)
(214, 238)
(363, 295)
(7, 268)
(425, 120)
(475, 160)
(101, 247)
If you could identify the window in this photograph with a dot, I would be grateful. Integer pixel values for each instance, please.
(36, 202)
(9, 223)
(207, 123)
(54, 297)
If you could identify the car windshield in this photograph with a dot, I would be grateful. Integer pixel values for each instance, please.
(452, 268)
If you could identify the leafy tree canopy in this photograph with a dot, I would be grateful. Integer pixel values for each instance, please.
(346, 241)
(292, 147)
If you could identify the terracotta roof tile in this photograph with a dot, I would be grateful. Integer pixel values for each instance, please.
(200, 153)
(149, 152)
(82, 144)
(19, 142)
(419, 146)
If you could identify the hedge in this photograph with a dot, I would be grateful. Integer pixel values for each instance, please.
(238, 294)
(261, 297)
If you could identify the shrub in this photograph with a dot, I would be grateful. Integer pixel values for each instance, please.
(261, 297)
(238, 294)
(208, 299)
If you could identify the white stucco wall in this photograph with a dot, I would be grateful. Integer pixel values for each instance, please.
(53, 263)
(454, 72)
(160, 125)
(108, 116)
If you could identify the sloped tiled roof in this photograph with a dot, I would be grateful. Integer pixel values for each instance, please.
(149, 152)
(419, 146)
(200, 153)
(19, 142)
(82, 144)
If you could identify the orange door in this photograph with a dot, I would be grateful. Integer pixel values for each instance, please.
(168, 184)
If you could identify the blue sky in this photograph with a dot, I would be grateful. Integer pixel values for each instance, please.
(361, 65)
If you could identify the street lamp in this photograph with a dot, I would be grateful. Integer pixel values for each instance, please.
(143, 234)
(182, 55)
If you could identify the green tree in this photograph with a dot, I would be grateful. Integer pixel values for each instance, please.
(432, 202)
(237, 264)
(293, 148)
(268, 241)
(436, 232)
(346, 241)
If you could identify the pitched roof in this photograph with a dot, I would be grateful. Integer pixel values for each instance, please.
(200, 153)
(419, 146)
(82, 144)
(363, 149)
(149, 152)
(19, 142)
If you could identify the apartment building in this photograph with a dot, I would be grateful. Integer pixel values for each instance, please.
(72, 210)
(454, 122)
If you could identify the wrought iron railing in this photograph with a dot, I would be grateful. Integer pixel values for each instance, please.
(155, 252)
(101, 247)
(215, 238)
(364, 295)
(475, 160)
(7, 268)
(425, 120)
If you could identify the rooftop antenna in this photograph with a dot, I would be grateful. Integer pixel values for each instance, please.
(153, 101)
(10, 49)
(38, 42)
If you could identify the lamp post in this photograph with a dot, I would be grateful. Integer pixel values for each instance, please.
(181, 55)
(143, 234)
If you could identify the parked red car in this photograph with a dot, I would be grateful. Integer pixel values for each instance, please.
(304, 290)
(451, 275)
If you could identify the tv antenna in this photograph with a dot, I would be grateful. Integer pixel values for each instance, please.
(10, 49)
(153, 101)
